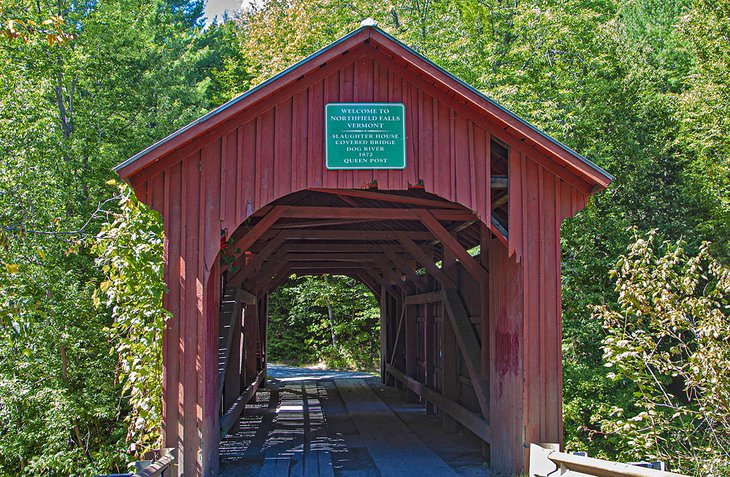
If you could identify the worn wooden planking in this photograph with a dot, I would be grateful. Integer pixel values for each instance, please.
(392, 445)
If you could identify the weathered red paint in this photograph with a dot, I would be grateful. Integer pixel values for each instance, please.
(217, 173)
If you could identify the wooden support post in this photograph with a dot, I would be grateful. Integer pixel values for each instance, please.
(485, 236)
(449, 350)
(250, 333)
(411, 347)
(232, 381)
(429, 350)
(384, 296)
(263, 336)
(397, 314)
(468, 342)
(485, 318)
(449, 373)
(243, 381)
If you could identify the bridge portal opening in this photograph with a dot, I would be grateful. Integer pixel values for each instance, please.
(409, 250)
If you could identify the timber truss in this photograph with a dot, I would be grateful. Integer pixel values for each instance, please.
(415, 251)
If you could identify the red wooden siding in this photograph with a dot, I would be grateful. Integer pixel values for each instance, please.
(277, 148)
(208, 180)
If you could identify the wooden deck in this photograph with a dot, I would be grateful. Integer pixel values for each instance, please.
(323, 423)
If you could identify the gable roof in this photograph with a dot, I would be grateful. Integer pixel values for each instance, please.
(557, 151)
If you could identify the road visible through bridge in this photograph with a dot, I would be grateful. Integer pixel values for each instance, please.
(311, 423)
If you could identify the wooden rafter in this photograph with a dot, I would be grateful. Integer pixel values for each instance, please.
(320, 223)
(386, 197)
(410, 273)
(449, 241)
(269, 249)
(309, 212)
(389, 273)
(355, 235)
(255, 233)
(425, 260)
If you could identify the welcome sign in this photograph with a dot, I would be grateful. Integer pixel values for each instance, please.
(365, 136)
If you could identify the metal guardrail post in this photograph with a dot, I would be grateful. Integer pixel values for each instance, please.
(547, 461)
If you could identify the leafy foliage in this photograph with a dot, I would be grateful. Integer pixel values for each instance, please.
(129, 250)
(330, 319)
(670, 337)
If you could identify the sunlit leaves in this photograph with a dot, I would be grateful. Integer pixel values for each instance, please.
(670, 337)
(130, 250)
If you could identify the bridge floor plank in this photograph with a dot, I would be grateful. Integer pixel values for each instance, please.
(314, 423)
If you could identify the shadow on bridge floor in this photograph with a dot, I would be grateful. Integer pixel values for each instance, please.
(311, 422)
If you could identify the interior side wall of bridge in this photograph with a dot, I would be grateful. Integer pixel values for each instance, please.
(214, 183)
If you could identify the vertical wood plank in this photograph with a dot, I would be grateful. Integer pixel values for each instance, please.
(411, 346)
(506, 368)
(191, 315)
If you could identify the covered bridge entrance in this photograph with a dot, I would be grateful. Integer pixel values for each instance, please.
(247, 199)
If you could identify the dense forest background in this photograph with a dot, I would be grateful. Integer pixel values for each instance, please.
(639, 86)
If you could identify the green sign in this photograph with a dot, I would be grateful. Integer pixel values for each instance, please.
(365, 136)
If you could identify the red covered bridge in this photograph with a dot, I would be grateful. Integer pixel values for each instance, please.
(477, 337)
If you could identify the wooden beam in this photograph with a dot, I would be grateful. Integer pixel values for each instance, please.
(386, 197)
(500, 202)
(333, 256)
(357, 235)
(269, 269)
(374, 213)
(410, 273)
(423, 298)
(455, 229)
(246, 297)
(388, 272)
(425, 260)
(449, 241)
(231, 303)
(247, 269)
(368, 281)
(469, 345)
(278, 280)
(320, 223)
(231, 415)
(382, 282)
(258, 230)
(331, 265)
(320, 247)
(468, 419)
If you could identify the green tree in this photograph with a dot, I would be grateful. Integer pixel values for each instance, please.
(669, 336)
(330, 318)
